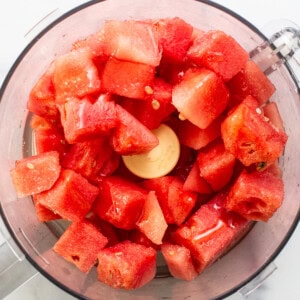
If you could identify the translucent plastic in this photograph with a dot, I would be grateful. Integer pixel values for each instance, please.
(230, 273)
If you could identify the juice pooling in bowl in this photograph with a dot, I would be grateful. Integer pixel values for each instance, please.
(244, 261)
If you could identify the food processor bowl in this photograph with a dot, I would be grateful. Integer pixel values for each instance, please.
(35, 239)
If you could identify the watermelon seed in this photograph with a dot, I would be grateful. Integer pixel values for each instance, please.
(155, 104)
(181, 117)
(30, 166)
(148, 90)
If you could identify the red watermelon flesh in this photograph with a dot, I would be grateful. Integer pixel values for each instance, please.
(126, 78)
(35, 174)
(75, 75)
(210, 232)
(41, 99)
(175, 37)
(256, 195)
(43, 213)
(126, 265)
(219, 52)
(71, 196)
(250, 81)
(195, 182)
(179, 261)
(83, 118)
(250, 137)
(80, 244)
(200, 97)
(155, 108)
(152, 222)
(197, 138)
(216, 164)
(130, 136)
(120, 202)
(48, 136)
(132, 41)
(88, 158)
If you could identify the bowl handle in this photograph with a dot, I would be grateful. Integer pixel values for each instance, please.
(282, 47)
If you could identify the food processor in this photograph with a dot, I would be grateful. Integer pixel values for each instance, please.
(28, 242)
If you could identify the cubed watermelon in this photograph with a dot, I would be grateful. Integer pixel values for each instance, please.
(41, 99)
(48, 136)
(250, 81)
(35, 174)
(210, 232)
(75, 75)
(219, 52)
(175, 37)
(200, 97)
(120, 202)
(80, 244)
(155, 108)
(43, 213)
(83, 118)
(250, 137)
(130, 136)
(71, 196)
(197, 138)
(256, 195)
(88, 157)
(126, 78)
(126, 265)
(179, 261)
(132, 41)
(152, 221)
(175, 202)
(216, 164)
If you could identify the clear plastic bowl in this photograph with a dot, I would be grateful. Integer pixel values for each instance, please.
(246, 260)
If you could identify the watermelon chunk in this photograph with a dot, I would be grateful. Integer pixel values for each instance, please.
(152, 222)
(35, 174)
(80, 244)
(71, 196)
(175, 202)
(41, 99)
(75, 75)
(83, 118)
(126, 265)
(219, 52)
(88, 158)
(126, 78)
(48, 136)
(250, 81)
(130, 136)
(250, 137)
(197, 138)
(216, 164)
(120, 202)
(132, 41)
(43, 213)
(256, 195)
(210, 232)
(179, 261)
(175, 37)
(200, 97)
(155, 108)
(195, 182)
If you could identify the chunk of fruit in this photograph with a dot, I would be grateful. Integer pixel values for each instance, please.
(71, 196)
(256, 195)
(219, 52)
(200, 97)
(120, 202)
(80, 244)
(35, 174)
(152, 222)
(250, 137)
(126, 265)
